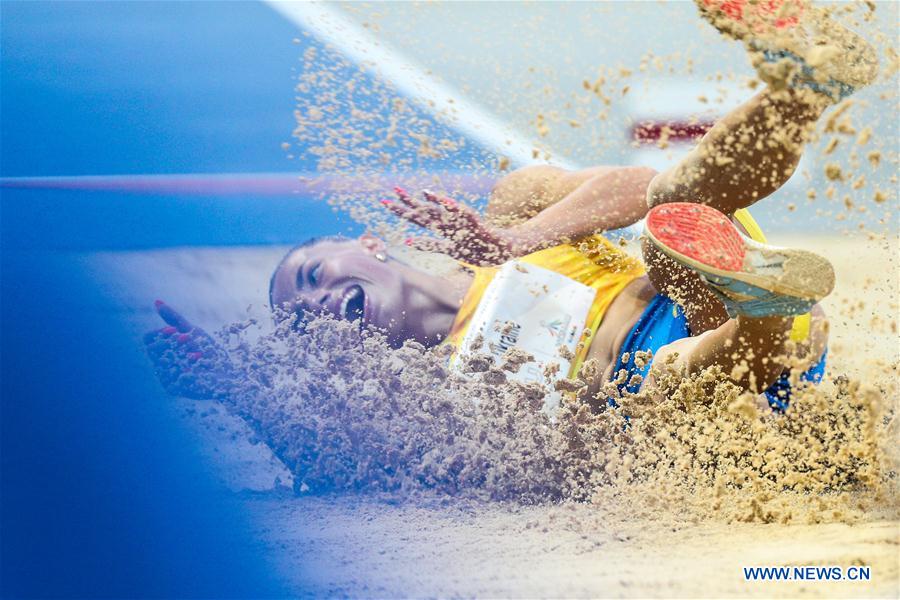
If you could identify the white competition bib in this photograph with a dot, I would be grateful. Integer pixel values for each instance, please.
(535, 310)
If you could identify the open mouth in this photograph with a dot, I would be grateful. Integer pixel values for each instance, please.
(353, 305)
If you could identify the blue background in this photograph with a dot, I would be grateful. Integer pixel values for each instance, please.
(102, 491)
(147, 88)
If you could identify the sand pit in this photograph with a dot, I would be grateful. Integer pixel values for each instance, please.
(367, 470)
(519, 532)
(360, 547)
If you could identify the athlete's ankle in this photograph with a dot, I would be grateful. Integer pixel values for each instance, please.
(793, 44)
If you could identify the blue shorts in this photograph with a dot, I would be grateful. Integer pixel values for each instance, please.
(663, 322)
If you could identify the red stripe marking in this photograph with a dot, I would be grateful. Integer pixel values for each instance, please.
(260, 184)
(650, 132)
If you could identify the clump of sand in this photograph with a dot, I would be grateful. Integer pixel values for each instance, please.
(345, 411)
(365, 138)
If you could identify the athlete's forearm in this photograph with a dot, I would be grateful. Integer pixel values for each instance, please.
(609, 201)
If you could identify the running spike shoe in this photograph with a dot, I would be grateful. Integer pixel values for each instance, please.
(794, 44)
(751, 279)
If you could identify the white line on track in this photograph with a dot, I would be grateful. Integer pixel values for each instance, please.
(330, 26)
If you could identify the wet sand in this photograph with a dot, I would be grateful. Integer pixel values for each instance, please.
(353, 545)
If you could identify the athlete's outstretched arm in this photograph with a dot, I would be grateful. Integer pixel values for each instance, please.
(188, 361)
(610, 200)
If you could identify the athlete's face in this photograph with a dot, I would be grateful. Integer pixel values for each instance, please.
(351, 279)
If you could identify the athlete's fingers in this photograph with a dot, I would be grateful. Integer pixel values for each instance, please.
(471, 217)
(446, 215)
(421, 216)
(404, 197)
(172, 317)
(404, 212)
(435, 209)
(448, 204)
(179, 344)
(455, 215)
(430, 244)
(157, 347)
(195, 341)
(162, 336)
(438, 220)
(432, 209)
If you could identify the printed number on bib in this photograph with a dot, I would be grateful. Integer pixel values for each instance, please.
(535, 310)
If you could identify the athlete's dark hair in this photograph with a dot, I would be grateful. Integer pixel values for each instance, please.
(307, 243)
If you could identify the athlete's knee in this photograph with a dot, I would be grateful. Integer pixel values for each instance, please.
(514, 194)
(523, 180)
(661, 190)
(647, 173)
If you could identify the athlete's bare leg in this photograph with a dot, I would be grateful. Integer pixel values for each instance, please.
(755, 149)
(746, 156)
(748, 350)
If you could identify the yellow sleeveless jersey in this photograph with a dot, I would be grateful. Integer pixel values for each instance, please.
(594, 262)
(597, 263)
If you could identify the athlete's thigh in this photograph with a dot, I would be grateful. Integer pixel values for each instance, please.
(701, 307)
(523, 193)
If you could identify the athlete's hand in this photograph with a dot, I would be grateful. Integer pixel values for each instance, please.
(463, 234)
(188, 360)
